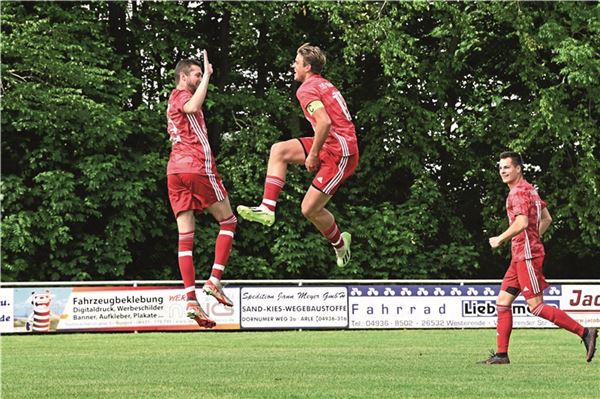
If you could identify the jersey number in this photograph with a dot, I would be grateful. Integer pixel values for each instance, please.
(340, 100)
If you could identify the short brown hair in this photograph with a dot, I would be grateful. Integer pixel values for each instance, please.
(184, 66)
(313, 56)
(515, 158)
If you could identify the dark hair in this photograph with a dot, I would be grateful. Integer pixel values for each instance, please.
(184, 66)
(514, 156)
(313, 56)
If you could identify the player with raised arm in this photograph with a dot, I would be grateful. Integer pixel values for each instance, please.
(332, 153)
(194, 183)
(528, 219)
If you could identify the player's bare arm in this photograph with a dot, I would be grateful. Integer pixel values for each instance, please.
(518, 225)
(323, 125)
(545, 221)
(195, 103)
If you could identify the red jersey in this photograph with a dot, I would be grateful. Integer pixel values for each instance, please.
(191, 151)
(523, 199)
(342, 136)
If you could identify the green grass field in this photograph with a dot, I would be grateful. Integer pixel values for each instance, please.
(296, 364)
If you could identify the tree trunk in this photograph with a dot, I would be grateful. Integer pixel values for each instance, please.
(220, 60)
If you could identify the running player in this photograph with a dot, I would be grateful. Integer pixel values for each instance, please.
(332, 154)
(194, 183)
(528, 219)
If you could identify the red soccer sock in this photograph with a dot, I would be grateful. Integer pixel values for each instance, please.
(503, 328)
(273, 186)
(186, 263)
(558, 317)
(223, 246)
(333, 234)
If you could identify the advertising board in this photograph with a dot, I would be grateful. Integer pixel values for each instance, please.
(436, 306)
(356, 306)
(294, 307)
(122, 308)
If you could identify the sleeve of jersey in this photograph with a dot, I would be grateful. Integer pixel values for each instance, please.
(306, 96)
(521, 203)
(182, 98)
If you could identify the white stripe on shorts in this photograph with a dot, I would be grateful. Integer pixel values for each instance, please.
(532, 277)
(338, 176)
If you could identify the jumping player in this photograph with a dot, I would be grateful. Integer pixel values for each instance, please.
(332, 154)
(528, 219)
(194, 183)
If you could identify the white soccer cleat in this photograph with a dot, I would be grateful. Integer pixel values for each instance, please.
(343, 254)
(257, 214)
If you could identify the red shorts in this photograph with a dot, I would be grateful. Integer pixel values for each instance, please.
(525, 276)
(190, 191)
(334, 168)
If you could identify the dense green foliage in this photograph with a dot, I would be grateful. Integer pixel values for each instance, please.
(296, 364)
(437, 91)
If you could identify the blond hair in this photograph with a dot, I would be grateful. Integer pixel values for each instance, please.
(313, 56)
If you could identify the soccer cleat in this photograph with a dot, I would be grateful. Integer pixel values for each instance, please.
(495, 359)
(216, 290)
(195, 312)
(257, 214)
(590, 343)
(343, 254)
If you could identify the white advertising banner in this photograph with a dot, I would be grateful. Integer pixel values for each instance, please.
(582, 302)
(6, 310)
(436, 306)
(381, 306)
(115, 309)
(294, 307)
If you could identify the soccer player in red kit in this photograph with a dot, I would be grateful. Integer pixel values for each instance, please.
(332, 154)
(194, 183)
(528, 219)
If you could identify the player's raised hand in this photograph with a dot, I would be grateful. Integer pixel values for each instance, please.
(208, 69)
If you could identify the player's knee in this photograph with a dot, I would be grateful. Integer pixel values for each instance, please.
(283, 151)
(308, 211)
(305, 211)
(277, 151)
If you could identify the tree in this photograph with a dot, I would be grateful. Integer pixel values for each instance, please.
(437, 91)
(75, 195)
